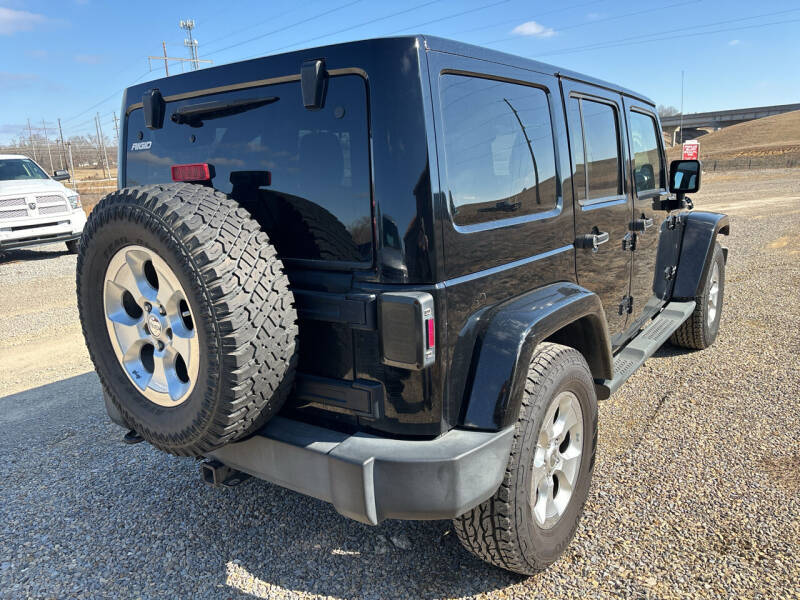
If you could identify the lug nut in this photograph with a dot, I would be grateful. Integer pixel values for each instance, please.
(148, 307)
(162, 310)
(160, 346)
(169, 333)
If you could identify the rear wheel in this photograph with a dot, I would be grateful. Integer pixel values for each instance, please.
(187, 315)
(700, 330)
(533, 516)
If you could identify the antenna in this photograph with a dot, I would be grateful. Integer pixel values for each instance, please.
(190, 42)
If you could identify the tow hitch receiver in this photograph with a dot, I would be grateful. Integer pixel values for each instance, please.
(217, 474)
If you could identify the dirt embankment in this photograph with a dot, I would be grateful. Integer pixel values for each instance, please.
(762, 143)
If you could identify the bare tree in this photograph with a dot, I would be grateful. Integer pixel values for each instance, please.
(667, 111)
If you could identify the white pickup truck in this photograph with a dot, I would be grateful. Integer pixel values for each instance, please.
(35, 208)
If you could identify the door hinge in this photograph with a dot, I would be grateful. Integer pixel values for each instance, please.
(670, 272)
(629, 242)
(673, 221)
(626, 306)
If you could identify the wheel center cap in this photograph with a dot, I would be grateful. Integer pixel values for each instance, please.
(154, 325)
(551, 459)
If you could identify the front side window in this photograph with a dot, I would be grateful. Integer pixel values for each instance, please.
(647, 168)
(16, 169)
(499, 149)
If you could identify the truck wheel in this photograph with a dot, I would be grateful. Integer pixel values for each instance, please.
(533, 516)
(187, 315)
(700, 330)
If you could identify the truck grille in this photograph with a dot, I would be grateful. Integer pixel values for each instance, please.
(52, 210)
(13, 214)
(48, 199)
(51, 205)
(9, 202)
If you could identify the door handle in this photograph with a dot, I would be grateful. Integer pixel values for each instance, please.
(642, 224)
(592, 240)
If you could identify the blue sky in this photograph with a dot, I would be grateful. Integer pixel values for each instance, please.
(71, 58)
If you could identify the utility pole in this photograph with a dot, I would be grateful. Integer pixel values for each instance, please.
(116, 127)
(166, 62)
(63, 148)
(71, 165)
(681, 126)
(190, 42)
(102, 144)
(47, 141)
(194, 60)
(30, 137)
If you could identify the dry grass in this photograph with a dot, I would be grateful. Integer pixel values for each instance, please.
(84, 174)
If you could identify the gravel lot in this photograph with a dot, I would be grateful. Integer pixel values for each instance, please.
(696, 491)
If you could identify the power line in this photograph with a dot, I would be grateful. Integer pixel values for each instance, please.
(612, 18)
(648, 37)
(537, 16)
(448, 17)
(107, 98)
(356, 26)
(271, 19)
(281, 29)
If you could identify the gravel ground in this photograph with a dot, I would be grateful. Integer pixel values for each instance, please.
(696, 489)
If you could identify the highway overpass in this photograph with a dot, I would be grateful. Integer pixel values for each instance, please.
(718, 119)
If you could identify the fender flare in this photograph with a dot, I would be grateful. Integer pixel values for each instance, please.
(697, 247)
(504, 347)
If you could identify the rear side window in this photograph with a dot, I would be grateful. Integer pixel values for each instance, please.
(499, 149)
(304, 174)
(595, 149)
(648, 172)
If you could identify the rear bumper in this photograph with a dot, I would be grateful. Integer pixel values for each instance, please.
(370, 478)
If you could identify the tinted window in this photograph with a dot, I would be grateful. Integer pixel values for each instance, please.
(576, 148)
(647, 167)
(304, 174)
(12, 169)
(601, 145)
(499, 153)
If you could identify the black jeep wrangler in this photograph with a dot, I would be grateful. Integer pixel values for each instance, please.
(395, 275)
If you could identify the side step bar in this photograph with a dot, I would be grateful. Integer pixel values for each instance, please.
(644, 345)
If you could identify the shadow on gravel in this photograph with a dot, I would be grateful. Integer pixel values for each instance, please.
(30, 254)
(668, 350)
(82, 513)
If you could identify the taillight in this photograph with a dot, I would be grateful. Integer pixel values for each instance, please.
(407, 329)
(195, 172)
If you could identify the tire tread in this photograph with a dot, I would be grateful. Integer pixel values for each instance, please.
(253, 323)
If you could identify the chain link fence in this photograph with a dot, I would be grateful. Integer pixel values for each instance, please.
(52, 155)
(754, 162)
(89, 176)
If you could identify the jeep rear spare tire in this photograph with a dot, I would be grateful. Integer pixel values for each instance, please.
(187, 315)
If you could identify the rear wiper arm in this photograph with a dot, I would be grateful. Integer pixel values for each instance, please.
(194, 114)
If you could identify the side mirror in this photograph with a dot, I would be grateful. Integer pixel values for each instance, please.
(684, 176)
(61, 175)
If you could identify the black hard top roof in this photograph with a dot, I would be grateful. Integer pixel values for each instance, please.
(439, 44)
(431, 43)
